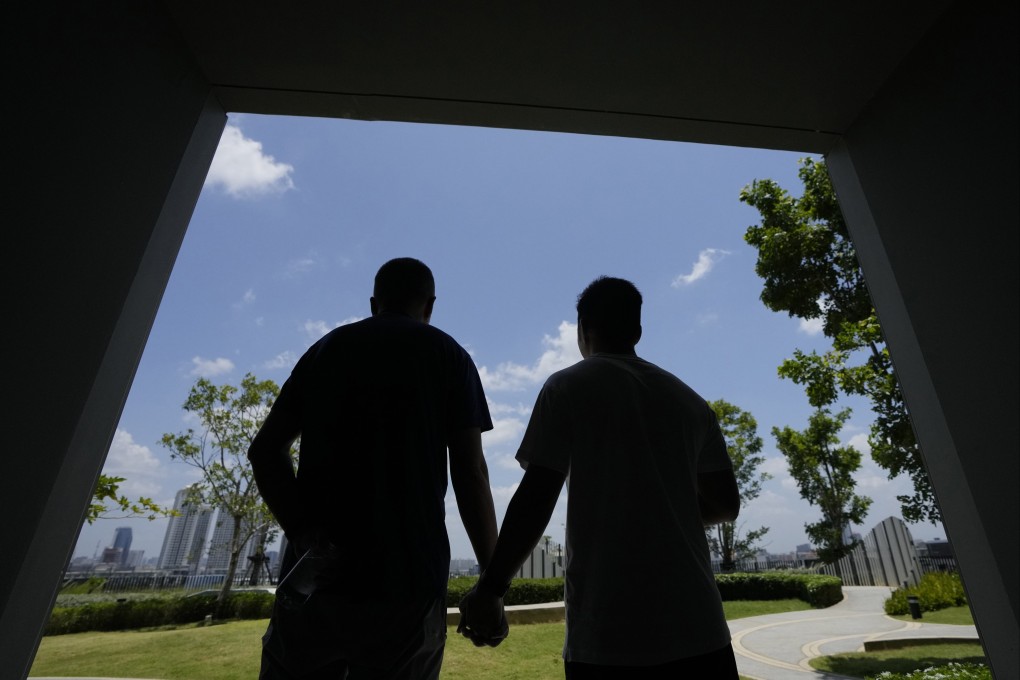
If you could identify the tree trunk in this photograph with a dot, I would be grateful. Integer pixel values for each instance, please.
(235, 551)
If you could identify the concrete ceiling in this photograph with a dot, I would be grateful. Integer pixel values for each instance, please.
(788, 75)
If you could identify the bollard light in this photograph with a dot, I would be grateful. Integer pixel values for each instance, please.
(915, 606)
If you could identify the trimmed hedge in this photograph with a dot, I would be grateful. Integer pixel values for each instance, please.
(522, 590)
(935, 591)
(817, 590)
(133, 614)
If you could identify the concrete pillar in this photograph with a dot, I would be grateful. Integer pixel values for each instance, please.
(927, 177)
(115, 135)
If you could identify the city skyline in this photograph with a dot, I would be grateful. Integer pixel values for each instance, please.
(298, 213)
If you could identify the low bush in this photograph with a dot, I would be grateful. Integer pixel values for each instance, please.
(817, 590)
(937, 590)
(522, 590)
(952, 671)
(150, 613)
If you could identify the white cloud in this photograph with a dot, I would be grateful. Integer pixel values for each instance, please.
(139, 467)
(775, 466)
(315, 329)
(242, 170)
(707, 259)
(300, 265)
(708, 318)
(811, 326)
(507, 462)
(860, 442)
(561, 352)
(209, 368)
(246, 299)
(285, 359)
(499, 409)
(503, 430)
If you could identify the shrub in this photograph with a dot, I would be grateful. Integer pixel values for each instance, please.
(133, 614)
(936, 591)
(951, 671)
(817, 590)
(522, 590)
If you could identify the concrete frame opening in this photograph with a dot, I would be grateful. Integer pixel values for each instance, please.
(935, 231)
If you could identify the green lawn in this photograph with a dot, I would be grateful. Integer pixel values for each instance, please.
(905, 660)
(958, 616)
(231, 651)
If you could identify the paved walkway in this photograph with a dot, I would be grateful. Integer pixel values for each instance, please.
(778, 646)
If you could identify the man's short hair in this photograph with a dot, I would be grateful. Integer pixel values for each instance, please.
(611, 306)
(404, 280)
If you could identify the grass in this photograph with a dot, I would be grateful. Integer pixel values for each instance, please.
(231, 651)
(904, 660)
(958, 616)
(740, 609)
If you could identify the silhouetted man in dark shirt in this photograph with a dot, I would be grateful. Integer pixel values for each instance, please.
(377, 404)
(645, 464)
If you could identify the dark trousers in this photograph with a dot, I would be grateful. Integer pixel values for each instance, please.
(717, 665)
(337, 636)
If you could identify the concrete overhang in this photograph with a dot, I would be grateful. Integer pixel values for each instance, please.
(790, 75)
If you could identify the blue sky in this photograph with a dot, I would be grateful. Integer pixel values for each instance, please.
(297, 215)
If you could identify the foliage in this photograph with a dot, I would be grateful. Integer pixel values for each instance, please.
(132, 614)
(809, 269)
(229, 418)
(740, 430)
(923, 660)
(824, 473)
(818, 590)
(937, 590)
(107, 503)
(522, 590)
(951, 671)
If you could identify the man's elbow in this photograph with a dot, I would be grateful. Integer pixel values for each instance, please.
(717, 514)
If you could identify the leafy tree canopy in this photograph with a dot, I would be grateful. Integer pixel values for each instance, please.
(229, 417)
(809, 270)
(109, 503)
(740, 430)
(824, 474)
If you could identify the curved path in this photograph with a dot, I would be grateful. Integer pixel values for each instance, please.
(778, 646)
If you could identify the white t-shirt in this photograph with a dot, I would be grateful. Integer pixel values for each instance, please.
(632, 439)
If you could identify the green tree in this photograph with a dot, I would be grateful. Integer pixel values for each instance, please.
(810, 270)
(740, 430)
(109, 503)
(229, 417)
(824, 473)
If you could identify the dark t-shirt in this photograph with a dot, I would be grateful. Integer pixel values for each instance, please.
(377, 401)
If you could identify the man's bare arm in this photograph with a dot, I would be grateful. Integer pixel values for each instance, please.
(470, 478)
(273, 468)
(526, 519)
(718, 497)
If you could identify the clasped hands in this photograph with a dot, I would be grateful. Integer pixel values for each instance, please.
(483, 619)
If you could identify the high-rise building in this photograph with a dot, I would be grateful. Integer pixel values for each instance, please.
(185, 538)
(122, 541)
(219, 546)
